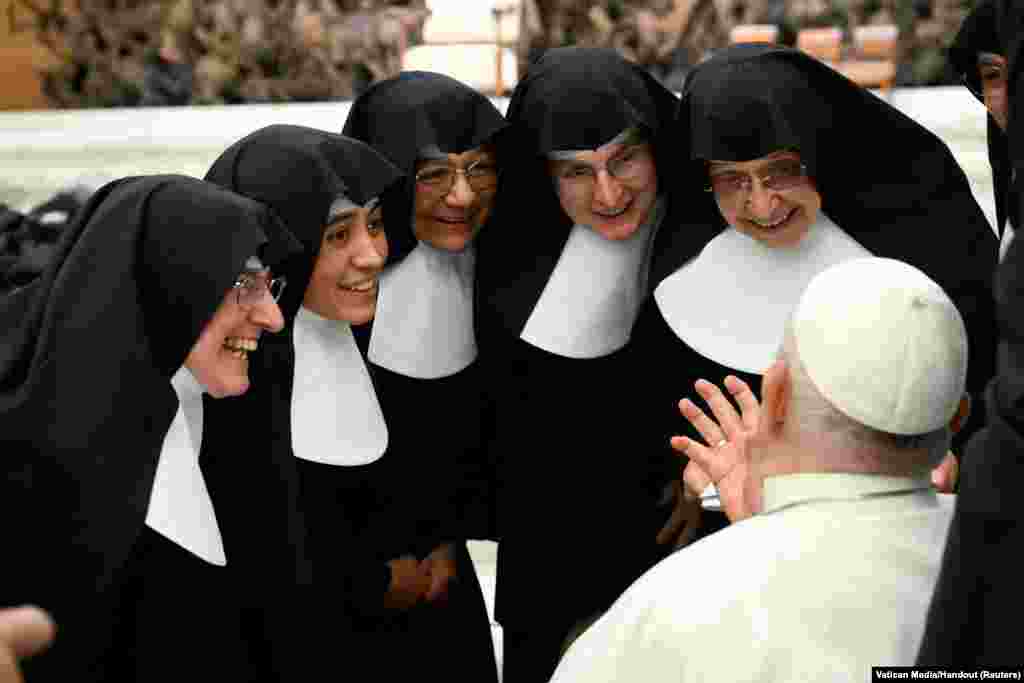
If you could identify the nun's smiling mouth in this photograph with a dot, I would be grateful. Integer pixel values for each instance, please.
(611, 215)
(775, 225)
(364, 287)
(457, 223)
(240, 347)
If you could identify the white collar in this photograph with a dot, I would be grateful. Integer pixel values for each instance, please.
(179, 505)
(335, 416)
(424, 322)
(731, 302)
(590, 303)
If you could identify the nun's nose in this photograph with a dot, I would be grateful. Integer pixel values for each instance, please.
(267, 315)
(607, 190)
(461, 192)
(762, 203)
(367, 254)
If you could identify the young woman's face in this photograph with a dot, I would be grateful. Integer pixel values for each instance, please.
(352, 254)
(219, 360)
(454, 195)
(992, 70)
(770, 199)
(612, 189)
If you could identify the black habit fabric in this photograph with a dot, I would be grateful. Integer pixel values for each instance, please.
(905, 197)
(981, 32)
(87, 351)
(975, 612)
(434, 484)
(305, 537)
(579, 495)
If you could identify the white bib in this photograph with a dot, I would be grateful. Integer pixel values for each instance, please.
(336, 419)
(179, 506)
(592, 299)
(731, 302)
(424, 322)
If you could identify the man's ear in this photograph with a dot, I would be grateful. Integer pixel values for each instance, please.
(963, 412)
(775, 391)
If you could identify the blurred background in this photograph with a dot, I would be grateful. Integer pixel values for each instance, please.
(115, 53)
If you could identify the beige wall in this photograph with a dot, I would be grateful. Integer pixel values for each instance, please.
(20, 59)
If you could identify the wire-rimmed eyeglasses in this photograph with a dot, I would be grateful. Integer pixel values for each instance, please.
(438, 178)
(251, 287)
(778, 176)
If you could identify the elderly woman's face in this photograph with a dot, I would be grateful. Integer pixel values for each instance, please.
(454, 195)
(992, 70)
(770, 199)
(612, 189)
(219, 360)
(352, 254)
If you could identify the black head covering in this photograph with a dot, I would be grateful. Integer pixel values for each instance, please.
(87, 351)
(570, 99)
(883, 178)
(981, 32)
(413, 113)
(299, 172)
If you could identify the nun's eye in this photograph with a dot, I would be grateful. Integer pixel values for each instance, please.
(577, 172)
(338, 236)
(375, 225)
(728, 182)
(992, 73)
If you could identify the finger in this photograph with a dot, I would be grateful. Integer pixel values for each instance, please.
(695, 480)
(690, 533)
(722, 408)
(708, 428)
(708, 459)
(26, 630)
(9, 672)
(672, 526)
(750, 407)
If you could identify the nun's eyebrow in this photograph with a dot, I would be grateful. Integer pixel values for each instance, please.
(990, 58)
(342, 216)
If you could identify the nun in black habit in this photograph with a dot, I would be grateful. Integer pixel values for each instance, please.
(326, 429)
(433, 484)
(978, 55)
(584, 494)
(974, 619)
(155, 295)
(776, 138)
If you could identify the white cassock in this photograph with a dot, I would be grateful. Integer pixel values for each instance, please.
(833, 578)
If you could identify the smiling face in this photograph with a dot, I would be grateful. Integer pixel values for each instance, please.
(770, 199)
(450, 209)
(611, 189)
(343, 286)
(219, 360)
(992, 70)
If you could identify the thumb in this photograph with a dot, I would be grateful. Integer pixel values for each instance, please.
(26, 630)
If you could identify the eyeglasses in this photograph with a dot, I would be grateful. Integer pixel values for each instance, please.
(629, 166)
(778, 176)
(437, 180)
(250, 289)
